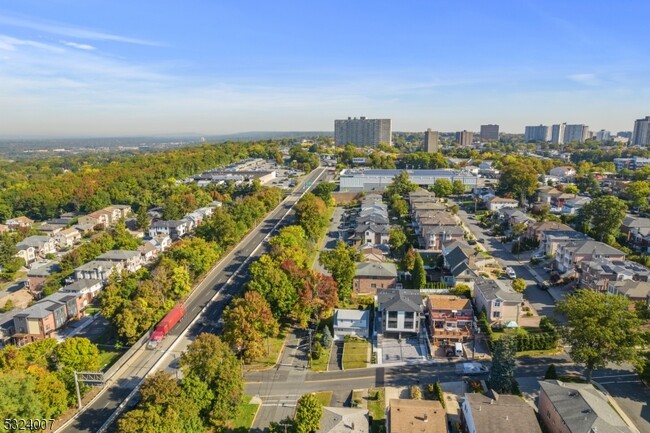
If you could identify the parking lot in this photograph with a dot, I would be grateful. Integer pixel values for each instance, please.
(404, 350)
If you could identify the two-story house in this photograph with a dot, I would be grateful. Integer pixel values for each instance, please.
(500, 302)
(351, 322)
(130, 260)
(497, 203)
(635, 291)
(550, 240)
(534, 231)
(597, 274)
(415, 416)
(569, 255)
(577, 408)
(67, 238)
(97, 270)
(400, 312)
(88, 289)
(372, 234)
(450, 317)
(566, 173)
(175, 229)
(372, 276)
(433, 237)
(572, 206)
(42, 246)
(494, 413)
(21, 222)
(631, 224)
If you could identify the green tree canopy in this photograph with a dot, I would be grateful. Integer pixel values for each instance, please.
(502, 378)
(637, 193)
(443, 188)
(602, 217)
(518, 179)
(419, 274)
(519, 285)
(401, 185)
(341, 263)
(308, 414)
(600, 329)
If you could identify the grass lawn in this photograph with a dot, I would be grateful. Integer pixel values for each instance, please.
(275, 346)
(320, 364)
(91, 310)
(357, 397)
(539, 352)
(324, 397)
(376, 408)
(245, 416)
(108, 357)
(355, 354)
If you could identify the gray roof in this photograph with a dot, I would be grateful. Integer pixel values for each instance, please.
(636, 222)
(96, 264)
(341, 419)
(34, 241)
(632, 289)
(456, 256)
(595, 247)
(566, 234)
(81, 285)
(583, 408)
(377, 228)
(503, 414)
(374, 269)
(44, 270)
(450, 230)
(350, 314)
(118, 255)
(492, 290)
(395, 172)
(61, 296)
(39, 310)
(400, 300)
(168, 224)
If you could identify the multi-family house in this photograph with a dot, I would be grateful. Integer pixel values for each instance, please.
(572, 206)
(461, 263)
(421, 196)
(433, 237)
(597, 274)
(635, 291)
(51, 229)
(371, 276)
(631, 224)
(97, 270)
(37, 275)
(514, 216)
(74, 303)
(67, 238)
(372, 254)
(400, 312)
(494, 413)
(175, 229)
(500, 302)
(569, 255)
(88, 289)
(425, 206)
(39, 321)
(162, 242)
(130, 260)
(416, 416)
(351, 322)
(21, 222)
(577, 408)
(450, 317)
(372, 234)
(550, 240)
(553, 196)
(497, 203)
(42, 246)
(148, 252)
(566, 173)
(344, 420)
(107, 216)
(534, 231)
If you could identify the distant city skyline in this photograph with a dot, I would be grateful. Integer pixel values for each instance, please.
(70, 68)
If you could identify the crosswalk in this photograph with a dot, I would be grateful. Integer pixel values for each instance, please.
(282, 400)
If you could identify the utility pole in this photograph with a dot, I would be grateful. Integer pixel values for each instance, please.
(90, 377)
(285, 425)
(76, 385)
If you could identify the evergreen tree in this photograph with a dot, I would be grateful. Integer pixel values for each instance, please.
(503, 363)
(419, 274)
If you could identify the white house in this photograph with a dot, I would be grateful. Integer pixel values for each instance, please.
(67, 238)
(351, 322)
(565, 172)
(497, 203)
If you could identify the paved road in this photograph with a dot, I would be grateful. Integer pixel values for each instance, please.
(208, 300)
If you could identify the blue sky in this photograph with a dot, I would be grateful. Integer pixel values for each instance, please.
(74, 68)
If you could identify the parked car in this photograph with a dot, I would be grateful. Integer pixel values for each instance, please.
(544, 285)
(540, 255)
(511, 273)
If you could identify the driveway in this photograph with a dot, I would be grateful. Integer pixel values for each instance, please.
(336, 356)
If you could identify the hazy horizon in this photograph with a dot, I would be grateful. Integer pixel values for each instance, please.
(93, 69)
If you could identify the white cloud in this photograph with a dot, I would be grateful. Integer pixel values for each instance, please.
(69, 31)
(78, 46)
(587, 79)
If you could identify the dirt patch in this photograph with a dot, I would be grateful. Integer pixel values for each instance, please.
(343, 198)
(21, 298)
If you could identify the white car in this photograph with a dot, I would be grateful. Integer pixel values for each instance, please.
(511, 273)
(540, 255)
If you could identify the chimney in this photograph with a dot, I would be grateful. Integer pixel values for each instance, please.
(426, 418)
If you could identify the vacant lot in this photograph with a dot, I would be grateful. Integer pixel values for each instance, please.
(355, 354)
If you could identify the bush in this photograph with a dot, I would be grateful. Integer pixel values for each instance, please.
(416, 393)
(551, 373)
(317, 350)
(9, 305)
(327, 337)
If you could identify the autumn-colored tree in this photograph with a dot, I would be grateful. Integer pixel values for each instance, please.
(270, 281)
(341, 263)
(408, 262)
(317, 294)
(248, 322)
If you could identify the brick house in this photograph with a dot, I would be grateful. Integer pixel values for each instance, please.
(39, 321)
(577, 408)
(450, 318)
(371, 276)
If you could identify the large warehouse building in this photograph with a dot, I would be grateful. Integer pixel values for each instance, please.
(376, 180)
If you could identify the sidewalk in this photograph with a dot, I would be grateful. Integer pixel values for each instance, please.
(616, 407)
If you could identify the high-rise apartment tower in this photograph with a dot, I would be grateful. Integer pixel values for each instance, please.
(430, 141)
(362, 132)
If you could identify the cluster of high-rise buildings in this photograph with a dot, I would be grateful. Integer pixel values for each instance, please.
(371, 132)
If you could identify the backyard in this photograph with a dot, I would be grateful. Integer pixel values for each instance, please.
(377, 409)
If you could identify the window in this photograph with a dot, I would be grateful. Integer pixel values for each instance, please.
(373, 286)
(392, 314)
(496, 314)
(497, 303)
(408, 315)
